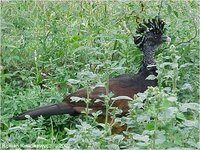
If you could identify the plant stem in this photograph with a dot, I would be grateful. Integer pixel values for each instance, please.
(37, 68)
(154, 135)
(52, 135)
(87, 103)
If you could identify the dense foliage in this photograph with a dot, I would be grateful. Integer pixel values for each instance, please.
(54, 48)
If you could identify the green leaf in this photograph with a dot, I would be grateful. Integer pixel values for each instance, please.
(191, 123)
(143, 118)
(121, 97)
(187, 86)
(113, 147)
(138, 137)
(172, 99)
(176, 13)
(160, 137)
(180, 116)
(167, 113)
(151, 77)
(150, 125)
(169, 9)
(73, 81)
(185, 106)
(76, 99)
(165, 104)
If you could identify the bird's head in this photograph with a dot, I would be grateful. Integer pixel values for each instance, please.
(151, 33)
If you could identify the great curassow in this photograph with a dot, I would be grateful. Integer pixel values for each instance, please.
(150, 37)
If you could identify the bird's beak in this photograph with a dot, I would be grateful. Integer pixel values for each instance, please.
(166, 39)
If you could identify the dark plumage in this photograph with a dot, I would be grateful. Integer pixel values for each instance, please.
(155, 27)
(151, 36)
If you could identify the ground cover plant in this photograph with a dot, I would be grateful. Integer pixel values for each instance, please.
(52, 48)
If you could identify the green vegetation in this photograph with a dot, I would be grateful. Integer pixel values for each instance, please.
(54, 48)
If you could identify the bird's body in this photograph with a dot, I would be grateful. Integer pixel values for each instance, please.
(151, 37)
(123, 85)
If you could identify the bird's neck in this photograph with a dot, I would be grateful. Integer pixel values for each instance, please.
(149, 53)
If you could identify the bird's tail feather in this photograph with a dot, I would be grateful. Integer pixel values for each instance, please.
(45, 111)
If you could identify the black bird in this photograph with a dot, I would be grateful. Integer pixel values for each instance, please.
(150, 35)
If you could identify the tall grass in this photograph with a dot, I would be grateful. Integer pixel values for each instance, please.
(52, 48)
